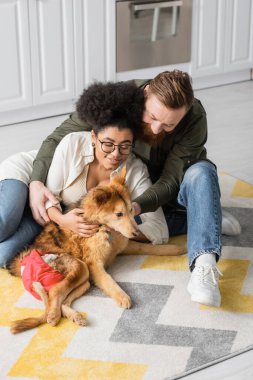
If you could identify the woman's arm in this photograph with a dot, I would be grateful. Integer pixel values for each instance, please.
(45, 154)
(38, 193)
(59, 175)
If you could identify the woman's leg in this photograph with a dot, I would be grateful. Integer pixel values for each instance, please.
(13, 198)
(24, 235)
(22, 229)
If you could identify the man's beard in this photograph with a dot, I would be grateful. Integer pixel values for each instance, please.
(149, 137)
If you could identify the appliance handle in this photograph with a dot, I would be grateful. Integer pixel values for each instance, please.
(167, 4)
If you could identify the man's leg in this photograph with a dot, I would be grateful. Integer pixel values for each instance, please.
(13, 198)
(176, 219)
(200, 194)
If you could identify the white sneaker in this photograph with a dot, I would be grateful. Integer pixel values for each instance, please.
(230, 225)
(203, 285)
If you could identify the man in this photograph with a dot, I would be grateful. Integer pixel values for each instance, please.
(185, 182)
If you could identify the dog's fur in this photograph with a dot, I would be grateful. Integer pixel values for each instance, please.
(80, 259)
(61, 295)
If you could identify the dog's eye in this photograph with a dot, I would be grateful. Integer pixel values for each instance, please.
(119, 214)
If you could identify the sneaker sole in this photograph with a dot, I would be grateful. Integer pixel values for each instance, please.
(198, 297)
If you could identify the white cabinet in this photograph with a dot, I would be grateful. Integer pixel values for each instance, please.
(222, 37)
(37, 60)
(50, 51)
(15, 62)
(95, 45)
(239, 36)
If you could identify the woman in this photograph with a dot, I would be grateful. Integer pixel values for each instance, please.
(81, 161)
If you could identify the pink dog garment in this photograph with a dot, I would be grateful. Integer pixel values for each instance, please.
(36, 269)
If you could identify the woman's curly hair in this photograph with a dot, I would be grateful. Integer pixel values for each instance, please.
(118, 104)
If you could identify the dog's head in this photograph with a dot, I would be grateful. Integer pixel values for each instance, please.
(111, 205)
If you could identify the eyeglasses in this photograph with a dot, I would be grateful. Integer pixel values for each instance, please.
(109, 147)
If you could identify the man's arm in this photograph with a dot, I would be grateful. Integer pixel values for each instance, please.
(153, 226)
(188, 149)
(44, 157)
(38, 193)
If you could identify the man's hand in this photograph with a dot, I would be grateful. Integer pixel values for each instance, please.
(38, 196)
(73, 220)
(136, 208)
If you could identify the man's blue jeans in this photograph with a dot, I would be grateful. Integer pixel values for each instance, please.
(200, 216)
(17, 226)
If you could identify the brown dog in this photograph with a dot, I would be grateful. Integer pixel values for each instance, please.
(83, 258)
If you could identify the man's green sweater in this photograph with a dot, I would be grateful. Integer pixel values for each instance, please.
(166, 162)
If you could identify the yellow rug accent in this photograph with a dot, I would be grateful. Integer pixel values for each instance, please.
(242, 189)
(180, 240)
(43, 359)
(234, 273)
(168, 262)
(13, 289)
(175, 263)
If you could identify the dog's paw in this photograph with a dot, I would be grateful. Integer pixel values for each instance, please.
(80, 319)
(123, 300)
(53, 317)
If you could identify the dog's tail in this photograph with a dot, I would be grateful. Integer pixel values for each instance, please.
(137, 248)
(30, 323)
(27, 324)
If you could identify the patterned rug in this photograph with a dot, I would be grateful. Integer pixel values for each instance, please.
(163, 336)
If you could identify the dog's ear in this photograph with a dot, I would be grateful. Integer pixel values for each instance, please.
(101, 196)
(120, 177)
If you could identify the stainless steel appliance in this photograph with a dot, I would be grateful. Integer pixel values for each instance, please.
(153, 33)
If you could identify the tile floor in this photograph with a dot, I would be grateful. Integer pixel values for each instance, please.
(230, 126)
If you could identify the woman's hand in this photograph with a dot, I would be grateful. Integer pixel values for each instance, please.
(74, 221)
(38, 196)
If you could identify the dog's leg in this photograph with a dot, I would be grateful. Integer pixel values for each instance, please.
(59, 292)
(29, 323)
(106, 283)
(70, 313)
(137, 248)
(41, 291)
